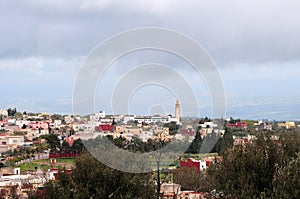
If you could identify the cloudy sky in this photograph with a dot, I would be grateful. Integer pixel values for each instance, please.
(254, 44)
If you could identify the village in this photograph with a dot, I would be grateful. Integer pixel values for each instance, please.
(35, 147)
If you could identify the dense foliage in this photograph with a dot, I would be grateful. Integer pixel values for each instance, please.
(92, 179)
(265, 168)
(211, 143)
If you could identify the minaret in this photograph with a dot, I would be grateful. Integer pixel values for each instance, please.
(177, 110)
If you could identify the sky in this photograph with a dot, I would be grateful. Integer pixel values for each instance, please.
(254, 44)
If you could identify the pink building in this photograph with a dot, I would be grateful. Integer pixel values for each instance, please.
(3, 123)
(238, 125)
(36, 125)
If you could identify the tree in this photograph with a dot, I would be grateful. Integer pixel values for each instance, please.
(287, 180)
(290, 143)
(52, 140)
(203, 120)
(247, 171)
(11, 112)
(208, 144)
(18, 115)
(196, 144)
(42, 146)
(173, 127)
(191, 179)
(92, 179)
(77, 146)
(113, 122)
(225, 142)
(72, 132)
(66, 147)
(56, 117)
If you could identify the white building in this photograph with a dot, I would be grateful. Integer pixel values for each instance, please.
(20, 123)
(69, 119)
(150, 119)
(84, 127)
(145, 135)
(15, 140)
(128, 118)
(97, 116)
(9, 141)
(11, 121)
(208, 124)
(55, 124)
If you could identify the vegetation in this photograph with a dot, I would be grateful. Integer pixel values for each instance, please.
(219, 144)
(76, 147)
(44, 164)
(196, 144)
(33, 166)
(286, 182)
(191, 179)
(52, 140)
(136, 144)
(225, 142)
(266, 168)
(56, 117)
(173, 127)
(92, 179)
(11, 111)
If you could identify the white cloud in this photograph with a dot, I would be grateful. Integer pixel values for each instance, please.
(29, 65)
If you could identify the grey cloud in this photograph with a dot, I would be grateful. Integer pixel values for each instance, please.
(239, 36)
(231, 31)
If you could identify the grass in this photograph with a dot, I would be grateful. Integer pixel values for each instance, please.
(45, 164)
(66, 160)
(199, 155)
(58, 160)
(31, 166)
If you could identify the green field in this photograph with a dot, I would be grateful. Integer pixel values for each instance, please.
(199, 156)
(65, 160)
(45, 164)
(31, 166)
(58, 160)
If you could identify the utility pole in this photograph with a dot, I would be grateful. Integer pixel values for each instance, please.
(158, 179)
(158, 145)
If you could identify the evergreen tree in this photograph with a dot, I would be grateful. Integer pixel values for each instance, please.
(196, 144)
(225, 142)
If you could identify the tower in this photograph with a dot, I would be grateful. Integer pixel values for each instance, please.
(177, 110)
